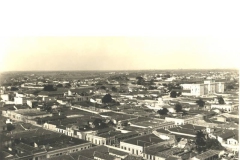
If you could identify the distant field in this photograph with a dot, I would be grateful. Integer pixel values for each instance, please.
(70, 75)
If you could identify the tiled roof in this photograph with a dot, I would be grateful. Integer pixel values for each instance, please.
(207, 154)
(169, 152)
(145, 140)
(193, 127)
(163, 131)
(183, 130)
(103, 156)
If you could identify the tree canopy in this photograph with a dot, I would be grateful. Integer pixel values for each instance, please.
(114, 89)
(107, 98)
(221, 100)
(163, 111)
(200, 103)
(14, 89)
(203, 144)
(178, 107)
(140, 81)
(200, 142)
(213, 144)
(10, 127)
(103, 87)
(173, 94)
(49, 88)
(59, 85)
(67, 85)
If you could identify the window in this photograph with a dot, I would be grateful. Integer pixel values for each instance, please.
(137, 152)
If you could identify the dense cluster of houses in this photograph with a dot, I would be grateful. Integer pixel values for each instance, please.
(117, 116)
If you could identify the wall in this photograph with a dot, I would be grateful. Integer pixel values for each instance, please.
(134, 149)
(18, 100)
(5, 97)
(195, 89)
(225, 107)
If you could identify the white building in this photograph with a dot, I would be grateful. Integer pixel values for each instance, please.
(225, 107)
(185, 120)
(5, 97)
(219, 87)
(207, 87)
(18, 100)
(192, 89)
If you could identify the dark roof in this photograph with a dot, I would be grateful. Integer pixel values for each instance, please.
(117, 152)
(145, 140)
(125, 135)
(192, 127)
(226, 134)
(103, 156)
(98, 151)
(51, 93)
(25, 147)
(155, 149)
(109, 134)
(207, 154)
(170, 152)
(63, 157)
(183, 130)
(163, 131)
(77, 90)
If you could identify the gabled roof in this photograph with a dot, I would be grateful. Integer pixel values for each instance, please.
(103, 156)
(207, 154)
(226, 134)
(145, 140)
(192, 127)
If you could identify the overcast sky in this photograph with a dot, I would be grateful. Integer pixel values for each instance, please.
(150, 36)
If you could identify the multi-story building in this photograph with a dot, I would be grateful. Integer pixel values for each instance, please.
(207, 87)
(192, 89)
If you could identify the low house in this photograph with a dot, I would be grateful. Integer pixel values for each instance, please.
(208, 155)
(137, 145)
(103, 138)
(223, 107)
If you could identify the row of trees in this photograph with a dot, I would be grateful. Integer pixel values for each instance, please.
(201, 103)
(51, 87)
(164, 111)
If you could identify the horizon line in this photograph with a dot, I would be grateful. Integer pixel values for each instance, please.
(121, 70)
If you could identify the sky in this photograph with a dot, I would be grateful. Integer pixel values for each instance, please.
(76, 36)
